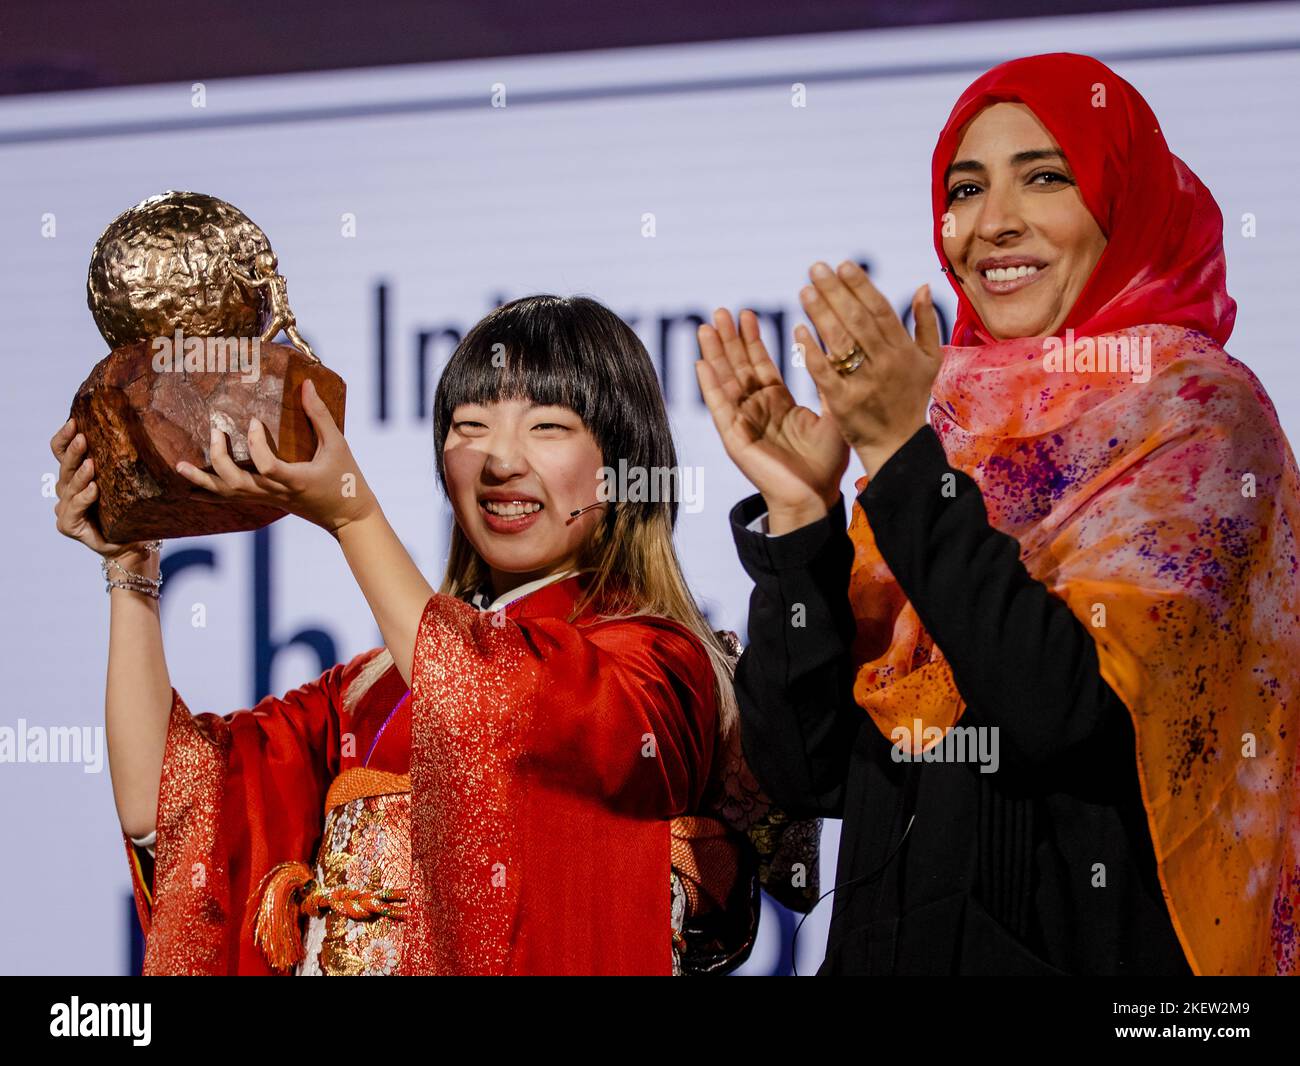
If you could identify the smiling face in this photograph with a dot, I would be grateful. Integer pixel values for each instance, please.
(515, 470)
(1025, 242)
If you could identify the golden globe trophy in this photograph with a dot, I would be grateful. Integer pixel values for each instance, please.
(185, 289)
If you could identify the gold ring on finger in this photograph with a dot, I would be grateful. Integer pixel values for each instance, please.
(850, 361)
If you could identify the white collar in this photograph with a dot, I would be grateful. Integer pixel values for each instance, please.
(518, 593)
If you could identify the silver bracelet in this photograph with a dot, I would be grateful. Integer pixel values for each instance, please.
(131, 581)
(154, 593)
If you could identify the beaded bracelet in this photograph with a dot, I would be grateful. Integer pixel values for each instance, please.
(133, 582)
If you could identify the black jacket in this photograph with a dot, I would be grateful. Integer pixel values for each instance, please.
(1042, 867)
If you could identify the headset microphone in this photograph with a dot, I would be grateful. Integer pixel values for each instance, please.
(580, 510)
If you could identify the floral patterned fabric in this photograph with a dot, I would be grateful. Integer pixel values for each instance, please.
(366, 845)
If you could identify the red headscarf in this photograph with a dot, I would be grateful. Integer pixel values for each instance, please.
(1164, 253)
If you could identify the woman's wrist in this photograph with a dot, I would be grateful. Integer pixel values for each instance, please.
(138, 555)
(143, 564)
(136, 568)
(359, 516)
(875, 455)
(785, 517)
(362, 504)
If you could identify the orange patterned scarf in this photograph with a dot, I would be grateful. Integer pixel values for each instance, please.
(1168, 511)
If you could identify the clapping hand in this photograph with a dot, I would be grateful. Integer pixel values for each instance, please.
(880, 396)
(792, 455)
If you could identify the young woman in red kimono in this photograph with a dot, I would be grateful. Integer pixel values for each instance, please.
(492, 791)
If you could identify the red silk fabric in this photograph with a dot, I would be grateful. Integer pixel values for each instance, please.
(540, 825)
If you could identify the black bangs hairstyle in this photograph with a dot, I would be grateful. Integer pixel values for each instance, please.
(575, 352)
(572, 351)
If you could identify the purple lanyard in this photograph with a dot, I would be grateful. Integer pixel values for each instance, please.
(375, 743)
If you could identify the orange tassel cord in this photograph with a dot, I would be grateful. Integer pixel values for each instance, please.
(289, 891)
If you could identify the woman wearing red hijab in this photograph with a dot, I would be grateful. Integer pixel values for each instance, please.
(1067, 600)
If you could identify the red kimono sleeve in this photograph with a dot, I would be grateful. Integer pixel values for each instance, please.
(239, 794)
(626, 712)
(547, 761)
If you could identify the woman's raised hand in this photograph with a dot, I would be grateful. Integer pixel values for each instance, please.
(328, 490)
(792, 455)
(885, 400)
(77, 490)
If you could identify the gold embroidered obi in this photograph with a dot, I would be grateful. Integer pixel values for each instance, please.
(365, 850)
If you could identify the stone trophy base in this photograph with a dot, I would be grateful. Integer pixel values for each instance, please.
(140, 422)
